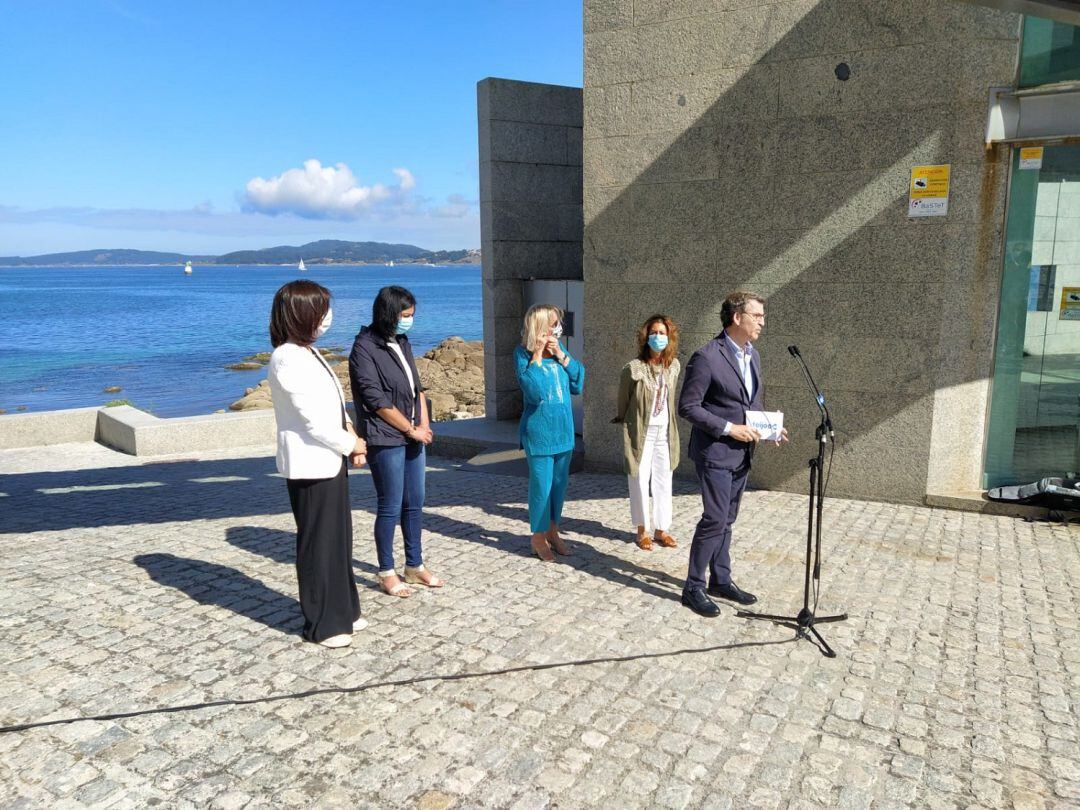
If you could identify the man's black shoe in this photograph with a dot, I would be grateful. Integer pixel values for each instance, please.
(732, 592)
(697, 601)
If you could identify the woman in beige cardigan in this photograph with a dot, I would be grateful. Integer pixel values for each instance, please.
(646, 409)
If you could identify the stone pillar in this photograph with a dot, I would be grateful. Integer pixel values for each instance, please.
(530, 212)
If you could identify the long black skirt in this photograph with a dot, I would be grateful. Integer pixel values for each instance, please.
(324, 548)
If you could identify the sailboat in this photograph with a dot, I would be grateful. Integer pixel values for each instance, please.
(187, 268)
(301, 267)
(391, 264)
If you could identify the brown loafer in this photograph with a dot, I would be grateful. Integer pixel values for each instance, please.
(644, 542)
(665, 539)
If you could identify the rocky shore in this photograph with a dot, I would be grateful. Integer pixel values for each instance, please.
(453, 373)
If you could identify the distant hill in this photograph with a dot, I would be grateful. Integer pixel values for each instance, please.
(121, 256)
(325, 251)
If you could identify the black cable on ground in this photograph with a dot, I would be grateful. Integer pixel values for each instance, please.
(349, 690)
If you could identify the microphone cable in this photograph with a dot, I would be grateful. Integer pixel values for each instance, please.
(400, 682)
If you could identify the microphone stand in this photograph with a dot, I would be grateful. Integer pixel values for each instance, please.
(805, 621)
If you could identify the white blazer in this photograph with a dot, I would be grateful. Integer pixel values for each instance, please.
(308, 402)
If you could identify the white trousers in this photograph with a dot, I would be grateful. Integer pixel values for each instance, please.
(654, 469)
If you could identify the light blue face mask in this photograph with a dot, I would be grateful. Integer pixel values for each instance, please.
(658, 342)
(404, 325)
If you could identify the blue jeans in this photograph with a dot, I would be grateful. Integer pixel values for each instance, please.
(548, 476)
(398, 473)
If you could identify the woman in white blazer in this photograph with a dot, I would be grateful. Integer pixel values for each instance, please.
(315, 437)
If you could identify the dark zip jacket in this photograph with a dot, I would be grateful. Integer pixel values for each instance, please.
(379, 381)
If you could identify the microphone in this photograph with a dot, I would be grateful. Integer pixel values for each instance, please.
(819, 397)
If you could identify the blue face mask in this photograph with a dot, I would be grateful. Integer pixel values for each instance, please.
(404, 325)
(658, 342)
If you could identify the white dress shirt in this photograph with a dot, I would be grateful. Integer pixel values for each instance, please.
(742, 357)
(309, 406)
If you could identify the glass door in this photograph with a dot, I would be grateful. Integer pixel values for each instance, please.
(1034, 429)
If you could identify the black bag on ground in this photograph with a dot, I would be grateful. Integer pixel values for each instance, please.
(1062, 494)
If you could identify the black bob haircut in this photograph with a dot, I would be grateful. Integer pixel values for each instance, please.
(387, 308)
(297, 311)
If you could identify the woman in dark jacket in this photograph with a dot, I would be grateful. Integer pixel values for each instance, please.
(392, 417)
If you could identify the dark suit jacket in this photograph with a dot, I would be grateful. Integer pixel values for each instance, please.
(713, 394)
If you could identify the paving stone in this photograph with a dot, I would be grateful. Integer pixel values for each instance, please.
(955, 684)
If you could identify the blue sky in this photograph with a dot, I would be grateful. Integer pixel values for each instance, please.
(215, 126)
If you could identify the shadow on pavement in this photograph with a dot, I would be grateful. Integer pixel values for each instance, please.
(212, 584)
(194, 489)
(169, 491)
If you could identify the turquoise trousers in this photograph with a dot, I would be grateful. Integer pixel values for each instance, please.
(548, 476)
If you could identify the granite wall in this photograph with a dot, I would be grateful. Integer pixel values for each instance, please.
(767, 146)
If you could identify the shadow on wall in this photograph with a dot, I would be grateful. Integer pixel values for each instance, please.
(750, 165)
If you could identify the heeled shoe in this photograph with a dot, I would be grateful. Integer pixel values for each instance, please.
(542, 549)
(560, 546)
(412, 576)
(401, 590)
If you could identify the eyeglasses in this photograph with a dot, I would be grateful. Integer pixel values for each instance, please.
(757, 316)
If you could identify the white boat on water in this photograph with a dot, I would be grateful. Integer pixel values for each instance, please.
(301, 266)
(187, 268)
(390, 263)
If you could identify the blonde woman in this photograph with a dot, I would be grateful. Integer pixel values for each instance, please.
(548, 377)
(646, 409)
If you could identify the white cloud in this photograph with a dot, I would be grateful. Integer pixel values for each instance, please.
(328, 192)
(456, 207)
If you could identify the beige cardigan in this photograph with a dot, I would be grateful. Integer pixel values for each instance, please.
(634, 406)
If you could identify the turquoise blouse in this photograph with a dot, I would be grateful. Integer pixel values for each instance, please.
(547, 422)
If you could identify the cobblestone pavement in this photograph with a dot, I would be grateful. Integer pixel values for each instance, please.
(128, 586)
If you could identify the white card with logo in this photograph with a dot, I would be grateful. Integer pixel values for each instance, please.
(767, 423)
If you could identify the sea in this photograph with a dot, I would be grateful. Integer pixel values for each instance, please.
(165, 338)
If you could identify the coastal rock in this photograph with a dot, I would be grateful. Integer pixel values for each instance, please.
(442, 405)
(453, 373)
(257, 398)
(113, 389)
(244, 366)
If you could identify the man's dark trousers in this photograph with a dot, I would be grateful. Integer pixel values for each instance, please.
(710, 550)
(714, 394)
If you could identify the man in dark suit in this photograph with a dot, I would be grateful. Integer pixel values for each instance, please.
(722, 383)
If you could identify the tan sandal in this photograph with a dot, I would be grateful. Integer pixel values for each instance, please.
(414, 577)
(644, 542)
(542, 550)
(401, 590)
(665, 539)
(559, 545)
